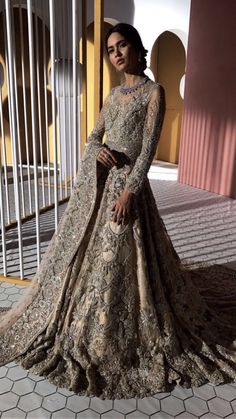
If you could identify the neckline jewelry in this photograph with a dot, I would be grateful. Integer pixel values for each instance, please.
(125, 90)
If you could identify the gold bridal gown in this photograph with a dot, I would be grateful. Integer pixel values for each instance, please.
(112, 312)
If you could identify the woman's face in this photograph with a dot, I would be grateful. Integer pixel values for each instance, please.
(121, 53)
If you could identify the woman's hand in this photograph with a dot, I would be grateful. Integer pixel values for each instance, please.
(106, 157)
(121, 208)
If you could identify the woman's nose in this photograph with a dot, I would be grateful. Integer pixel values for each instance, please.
(117, 52)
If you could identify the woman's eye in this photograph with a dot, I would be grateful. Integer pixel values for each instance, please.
(123, 44)
(110, 51)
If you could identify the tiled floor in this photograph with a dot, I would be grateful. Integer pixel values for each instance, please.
(202, 226)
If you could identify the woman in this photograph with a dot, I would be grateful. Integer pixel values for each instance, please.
(112, 312)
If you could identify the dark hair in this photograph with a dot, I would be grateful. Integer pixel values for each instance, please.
(132, 36)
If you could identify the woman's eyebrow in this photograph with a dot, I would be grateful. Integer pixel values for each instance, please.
(117, 43)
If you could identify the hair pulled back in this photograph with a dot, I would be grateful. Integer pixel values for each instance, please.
(132, 36)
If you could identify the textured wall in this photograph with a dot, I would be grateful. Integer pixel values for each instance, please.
(208, 141)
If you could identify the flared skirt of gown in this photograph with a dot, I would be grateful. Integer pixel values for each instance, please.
(122, 317)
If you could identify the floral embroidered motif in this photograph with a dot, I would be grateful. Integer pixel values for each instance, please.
(112, 312)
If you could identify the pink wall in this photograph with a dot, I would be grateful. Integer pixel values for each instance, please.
(208, 140)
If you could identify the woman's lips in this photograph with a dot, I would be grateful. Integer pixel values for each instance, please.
(120, 61)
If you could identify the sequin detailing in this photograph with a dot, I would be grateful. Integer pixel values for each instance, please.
(112, 312)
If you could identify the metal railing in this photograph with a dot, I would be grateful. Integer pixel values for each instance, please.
(40, 111)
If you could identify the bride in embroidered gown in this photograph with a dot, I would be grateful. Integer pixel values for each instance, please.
(112, 312)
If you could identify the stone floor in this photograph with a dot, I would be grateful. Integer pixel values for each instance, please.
(202, 227)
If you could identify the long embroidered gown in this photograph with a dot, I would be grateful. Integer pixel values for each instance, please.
(112, 312)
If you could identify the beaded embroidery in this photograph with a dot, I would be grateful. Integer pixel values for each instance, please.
(112, 312)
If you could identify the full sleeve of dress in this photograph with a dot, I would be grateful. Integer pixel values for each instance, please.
(151, 134)
(94, 142)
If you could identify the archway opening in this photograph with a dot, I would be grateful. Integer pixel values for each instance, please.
(168, 66)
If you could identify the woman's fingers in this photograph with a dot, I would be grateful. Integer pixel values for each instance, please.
(124, 217)
(121, 209)
(104, 161)
(120, 215)
(106, 157)
(115, 210)
(111, 157)
(108, 160)
(115, 214)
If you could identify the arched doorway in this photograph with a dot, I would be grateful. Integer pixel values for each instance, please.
(168, 66)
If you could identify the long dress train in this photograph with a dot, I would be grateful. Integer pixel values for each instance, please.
(112, 311)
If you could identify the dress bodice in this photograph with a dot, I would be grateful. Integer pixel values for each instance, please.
(132, 123)
(124, 121)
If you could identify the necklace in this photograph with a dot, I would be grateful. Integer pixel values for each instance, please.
(126, 90)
